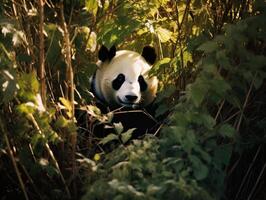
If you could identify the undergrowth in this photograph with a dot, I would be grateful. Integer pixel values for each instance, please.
(210, 139)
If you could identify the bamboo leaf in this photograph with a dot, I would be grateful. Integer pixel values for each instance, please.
(109, 138)
(127, 135)
(163, 34)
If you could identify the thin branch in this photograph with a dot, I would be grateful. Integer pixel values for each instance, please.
(245, 104)
(11, 154)
(246, 175)
(257, 182)
(51, 154)
(219, 110)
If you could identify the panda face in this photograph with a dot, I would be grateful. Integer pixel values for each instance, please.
(128, 89)
(122, 79)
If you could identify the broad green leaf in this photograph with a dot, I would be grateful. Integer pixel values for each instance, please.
(163, 34)
(206, 120)
(54, 39)
(61, 122)
(204, 155)
(156, 67)
(200, 170)
(197, 92)
(222, 155)
(227, 130)
(127, 135)
(162, 109)
(29, 83)
(109, 138)
(118, 128)
(189, 141)
(67, 106)
(208, 47)
(91, 6)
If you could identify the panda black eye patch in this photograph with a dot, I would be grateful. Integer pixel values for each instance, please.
(142, 83)
(118, 81)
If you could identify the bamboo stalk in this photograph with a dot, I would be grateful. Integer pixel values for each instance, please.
(179, 42)
(41, 69)
(69, 89)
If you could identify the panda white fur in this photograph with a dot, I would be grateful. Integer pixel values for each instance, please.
(121, 79)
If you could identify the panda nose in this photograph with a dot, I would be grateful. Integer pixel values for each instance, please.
(131, 98)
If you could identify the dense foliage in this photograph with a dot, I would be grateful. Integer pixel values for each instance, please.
(211, 101)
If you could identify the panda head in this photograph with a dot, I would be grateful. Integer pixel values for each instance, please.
(122, 77)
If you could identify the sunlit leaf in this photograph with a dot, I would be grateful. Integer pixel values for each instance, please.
(163, 34)
(118, 127)
(91, 6)
(127, 135)
(109, 138)
(67, 106)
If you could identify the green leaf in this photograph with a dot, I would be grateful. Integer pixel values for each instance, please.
(209, 121)
(9, 86)
(163, 34)
(197, 92)
(208, 47)
(29, 83)
(61, 122)
(67, 106)
(189, 141)
(127, 135)
(227, 130)
(91, 6)
(26, 108)
(162, 109)
(118, 128)
(109, 138)
(200, 170)
(158, 64)
(93, 110)
(167, 92)
(54, 39)
(222, 155)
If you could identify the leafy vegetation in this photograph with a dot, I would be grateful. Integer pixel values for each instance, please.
(211, 100)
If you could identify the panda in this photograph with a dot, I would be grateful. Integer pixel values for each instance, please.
(121, 79)
(121, 85)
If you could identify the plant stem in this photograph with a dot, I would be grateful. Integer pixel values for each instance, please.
(41, 69)
(10, 152)
(50, 152)
(69, 88)
(245, 104)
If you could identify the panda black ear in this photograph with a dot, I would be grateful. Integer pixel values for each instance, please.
(149, 54)
(112, 52)
(103, 53)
